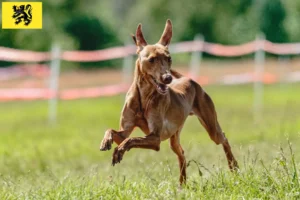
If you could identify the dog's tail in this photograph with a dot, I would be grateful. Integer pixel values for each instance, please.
(176, 74)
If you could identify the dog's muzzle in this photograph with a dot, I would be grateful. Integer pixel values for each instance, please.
(167, 78)
(161, 86)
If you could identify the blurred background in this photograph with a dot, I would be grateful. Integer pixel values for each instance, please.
(91, 25)
(245, 54)
(95, 25)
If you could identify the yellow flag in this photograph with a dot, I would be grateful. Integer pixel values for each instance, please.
(22, 15)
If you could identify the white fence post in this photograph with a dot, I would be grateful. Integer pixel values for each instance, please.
(127, 69)
(283, 63)
(196, 57)
(258, 78)
(53, 83)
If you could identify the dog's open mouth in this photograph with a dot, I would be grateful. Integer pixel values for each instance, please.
(161, 88)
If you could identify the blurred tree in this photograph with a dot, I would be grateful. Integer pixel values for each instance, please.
(272, 21)
(226, 22)
(7, 40)
(291, 22)
(91, 34)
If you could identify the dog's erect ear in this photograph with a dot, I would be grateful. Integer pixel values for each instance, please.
(134, 39)
(139, 39)
(167, 34)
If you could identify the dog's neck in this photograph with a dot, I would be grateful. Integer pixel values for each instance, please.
(145, 88)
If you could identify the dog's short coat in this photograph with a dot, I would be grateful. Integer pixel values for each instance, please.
(159, 101)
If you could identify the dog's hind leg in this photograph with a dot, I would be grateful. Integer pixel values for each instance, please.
(204, 109)
(176, 147)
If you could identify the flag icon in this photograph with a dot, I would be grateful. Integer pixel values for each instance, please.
(22, 15)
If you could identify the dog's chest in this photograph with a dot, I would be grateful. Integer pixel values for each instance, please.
(169, 128)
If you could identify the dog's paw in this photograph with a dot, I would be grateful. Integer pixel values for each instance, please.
(117, 156)
(105, 144)
(233, 166)
(107, 141)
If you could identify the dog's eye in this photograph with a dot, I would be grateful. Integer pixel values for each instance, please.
(169, 59)
(151, 60)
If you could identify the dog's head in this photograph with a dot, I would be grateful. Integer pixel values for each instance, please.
(155, 60)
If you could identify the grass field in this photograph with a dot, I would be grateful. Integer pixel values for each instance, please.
(39, 161)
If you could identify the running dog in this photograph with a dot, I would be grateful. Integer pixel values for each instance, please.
(158, 102)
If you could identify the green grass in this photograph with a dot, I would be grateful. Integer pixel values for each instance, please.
(39, 161)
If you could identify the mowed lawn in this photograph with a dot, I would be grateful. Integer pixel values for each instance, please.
(40, 161)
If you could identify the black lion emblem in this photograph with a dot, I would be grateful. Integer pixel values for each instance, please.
(22, 12)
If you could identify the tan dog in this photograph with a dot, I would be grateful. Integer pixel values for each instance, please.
(159, 101)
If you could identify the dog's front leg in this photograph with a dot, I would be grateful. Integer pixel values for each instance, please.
(127, 125)
(151, 141)
(111, 136)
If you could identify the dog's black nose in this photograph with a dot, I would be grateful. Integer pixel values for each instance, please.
(167, 78)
